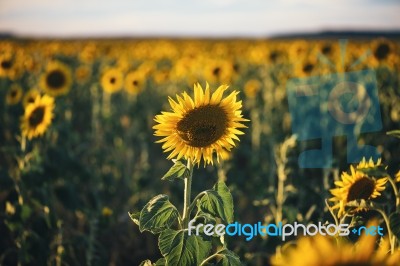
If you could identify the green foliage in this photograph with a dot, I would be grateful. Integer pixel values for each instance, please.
(177, 171)
(157, 215)
(176, 245)
(178, 248)
(218, 202)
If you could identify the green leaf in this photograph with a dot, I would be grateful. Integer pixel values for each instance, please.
(157, 214)
(177, 171)
(394, 133)
(161, 262)
(135, 217)
(178, 248)
(229, 258)
(394, 221)
(218, 202)
(378, 171)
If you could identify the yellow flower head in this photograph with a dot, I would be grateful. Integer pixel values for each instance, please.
(14, 95)
(37, 116)
(57, 79)
(397, 176)
(134, 82)
(30, 97)
(196, 128)
(357, 185)
(323, 250)
(112, 80)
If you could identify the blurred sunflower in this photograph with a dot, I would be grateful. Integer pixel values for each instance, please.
(298, 50)
(112, 80)
(30, 97)
(307, 68)
(383, 53)
(357, 186)
(251, 88)
(218, 71)
(14, 94)
(10, 65)
(134, 82)
(82, 73)
(57, 79)
(37, 116)
(323, 250)
(198, 128)
(6, 64)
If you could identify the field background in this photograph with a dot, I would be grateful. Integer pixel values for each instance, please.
(98, 160)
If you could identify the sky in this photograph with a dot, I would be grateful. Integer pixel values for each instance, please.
(226, 18)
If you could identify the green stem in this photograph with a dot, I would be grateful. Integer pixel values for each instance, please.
(390, 233)
(396, 193)
(187, 193)
(211, 257)
(193, 204)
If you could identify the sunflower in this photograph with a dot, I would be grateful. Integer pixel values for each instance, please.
(134, 82)
(82, 73)
(57, 79)
(357, 186)
(323, 250)
(383, 52)
(6, 64)
(218, 71)
(251, 88)
(37, 116)
(112, 80)
(198, 128)
(10, 65)
(14, 95)
(306, 68)
(30, 97)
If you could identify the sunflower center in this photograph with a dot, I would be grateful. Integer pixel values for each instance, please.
(13, 93)
(36, 116)
(203, 125)
(216, 71)
(135, 83)
(112, 80)
(307, 68)
(382, 51)
(326, 49)
(361, 189)
(55, 79)
(6, 64)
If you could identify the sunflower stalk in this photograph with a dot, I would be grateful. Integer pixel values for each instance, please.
(390, 233)
(396, 193)
(187, 194)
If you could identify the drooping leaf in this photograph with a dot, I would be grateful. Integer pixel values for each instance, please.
(229, 258)
(135, 217)
(178, 170)
(178, 248)
(157, 214)
(218, 202)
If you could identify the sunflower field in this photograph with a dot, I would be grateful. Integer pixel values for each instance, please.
(110, 149)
